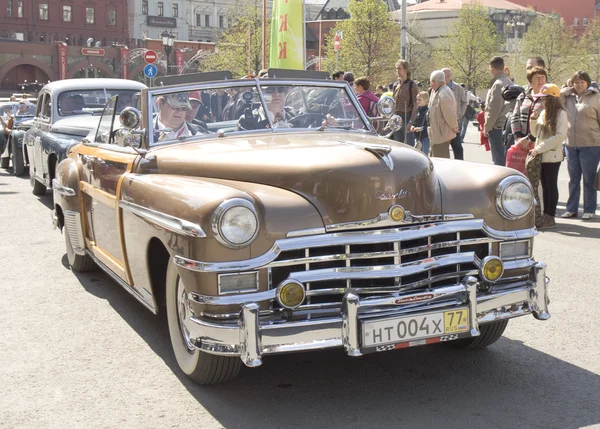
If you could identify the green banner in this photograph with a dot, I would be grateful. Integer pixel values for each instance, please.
(287, 35)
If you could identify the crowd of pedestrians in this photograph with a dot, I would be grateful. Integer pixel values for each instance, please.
(533, 128)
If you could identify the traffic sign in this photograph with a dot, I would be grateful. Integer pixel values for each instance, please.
(150, 70)
(337, 43)
(150, 57)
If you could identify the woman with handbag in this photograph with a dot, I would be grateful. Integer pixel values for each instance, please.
(548, 132)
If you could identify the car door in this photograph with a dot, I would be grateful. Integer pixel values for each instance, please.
(104, 165)
(41, 125)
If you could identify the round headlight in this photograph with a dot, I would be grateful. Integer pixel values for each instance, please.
(235, 223)
(514, 197)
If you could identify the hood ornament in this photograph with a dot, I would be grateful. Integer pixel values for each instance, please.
(381, 151)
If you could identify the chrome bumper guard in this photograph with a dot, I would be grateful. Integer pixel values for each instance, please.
(251, 340)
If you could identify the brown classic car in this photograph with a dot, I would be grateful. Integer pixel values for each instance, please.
(291, 226)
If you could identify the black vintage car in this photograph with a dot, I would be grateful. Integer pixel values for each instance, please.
(66, 112)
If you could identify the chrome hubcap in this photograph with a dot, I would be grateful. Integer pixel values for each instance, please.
(183, 313)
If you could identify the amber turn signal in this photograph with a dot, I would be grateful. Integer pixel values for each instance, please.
(397, 213)
(290, 294)
(492, 268)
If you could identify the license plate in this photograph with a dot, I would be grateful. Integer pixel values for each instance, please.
(416, 327)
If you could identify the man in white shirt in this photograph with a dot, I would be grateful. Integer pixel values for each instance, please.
(171, 115)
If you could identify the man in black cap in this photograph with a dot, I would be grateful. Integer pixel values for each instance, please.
(349, 77)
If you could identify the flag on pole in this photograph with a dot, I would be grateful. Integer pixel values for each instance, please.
(287, 35)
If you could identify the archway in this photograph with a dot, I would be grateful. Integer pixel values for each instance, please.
(20, 70)
(90, 64)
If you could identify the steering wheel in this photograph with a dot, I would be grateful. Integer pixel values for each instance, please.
(307, 120)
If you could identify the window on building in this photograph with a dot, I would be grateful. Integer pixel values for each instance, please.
(175, 10)
(207, 20)
(221, 21)
(161, 9)
(90, 15)
(43, 11)
(20, 9)
(144, 7)
(8, 8)
(20, 36)
(67, 14)
(575, 22)
(198, 20)
(585, 22)
(112, 17)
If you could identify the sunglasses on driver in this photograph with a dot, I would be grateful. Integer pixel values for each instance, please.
(272, 89)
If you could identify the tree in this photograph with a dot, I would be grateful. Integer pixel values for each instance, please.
(591, 43)
(370, 45)
(239, 49)
(418, 52)
(549, 38)
(470, 44)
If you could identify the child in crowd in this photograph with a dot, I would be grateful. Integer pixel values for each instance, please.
(421, 123)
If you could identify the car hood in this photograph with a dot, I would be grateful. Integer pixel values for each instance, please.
(348, 177)
(79, 125)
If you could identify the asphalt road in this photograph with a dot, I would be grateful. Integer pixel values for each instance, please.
(77, 351)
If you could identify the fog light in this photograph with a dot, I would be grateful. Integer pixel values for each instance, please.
(492, 268)
(238, 283)
(397, 213)
(290, 294)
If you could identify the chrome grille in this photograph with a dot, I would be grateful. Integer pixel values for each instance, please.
(394, 264)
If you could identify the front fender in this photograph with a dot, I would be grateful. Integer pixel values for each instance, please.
(469, 187)
(67, 195)
(194, 200)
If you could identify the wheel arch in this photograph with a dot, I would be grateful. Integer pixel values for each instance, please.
(157, 257)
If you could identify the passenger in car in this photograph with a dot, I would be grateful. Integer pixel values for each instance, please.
(170, 123)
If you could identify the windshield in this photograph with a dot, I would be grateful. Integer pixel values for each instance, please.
(237, 107)
(92, 101)
(8, 109)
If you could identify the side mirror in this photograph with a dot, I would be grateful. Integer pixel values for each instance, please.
(393, 124)
(386, 106)
(126, 138)
(130, 118)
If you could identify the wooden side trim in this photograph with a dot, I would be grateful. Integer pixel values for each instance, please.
(110, 262)
(100, 195)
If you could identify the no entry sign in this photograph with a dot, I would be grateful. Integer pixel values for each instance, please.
(150, 57)
(337, 42)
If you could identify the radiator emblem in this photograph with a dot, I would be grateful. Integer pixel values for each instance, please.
(384, 195)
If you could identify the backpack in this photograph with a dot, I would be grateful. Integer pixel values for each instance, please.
(372, 111)
(470, 113)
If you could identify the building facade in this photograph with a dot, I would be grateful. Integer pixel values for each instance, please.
(149, 18)
(578, 14)
(71, 21)
(434, 18)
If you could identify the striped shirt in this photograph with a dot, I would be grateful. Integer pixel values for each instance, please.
(406, 99)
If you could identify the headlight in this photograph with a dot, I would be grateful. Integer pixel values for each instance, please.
(235, 223)
(514, 197)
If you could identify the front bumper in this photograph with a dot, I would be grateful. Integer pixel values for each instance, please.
(251, 340)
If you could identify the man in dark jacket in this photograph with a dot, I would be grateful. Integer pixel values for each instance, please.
(218, 101)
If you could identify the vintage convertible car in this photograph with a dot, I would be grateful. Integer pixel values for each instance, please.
(65, 114)
(296, 229)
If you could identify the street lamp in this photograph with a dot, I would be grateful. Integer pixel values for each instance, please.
(167, 39)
